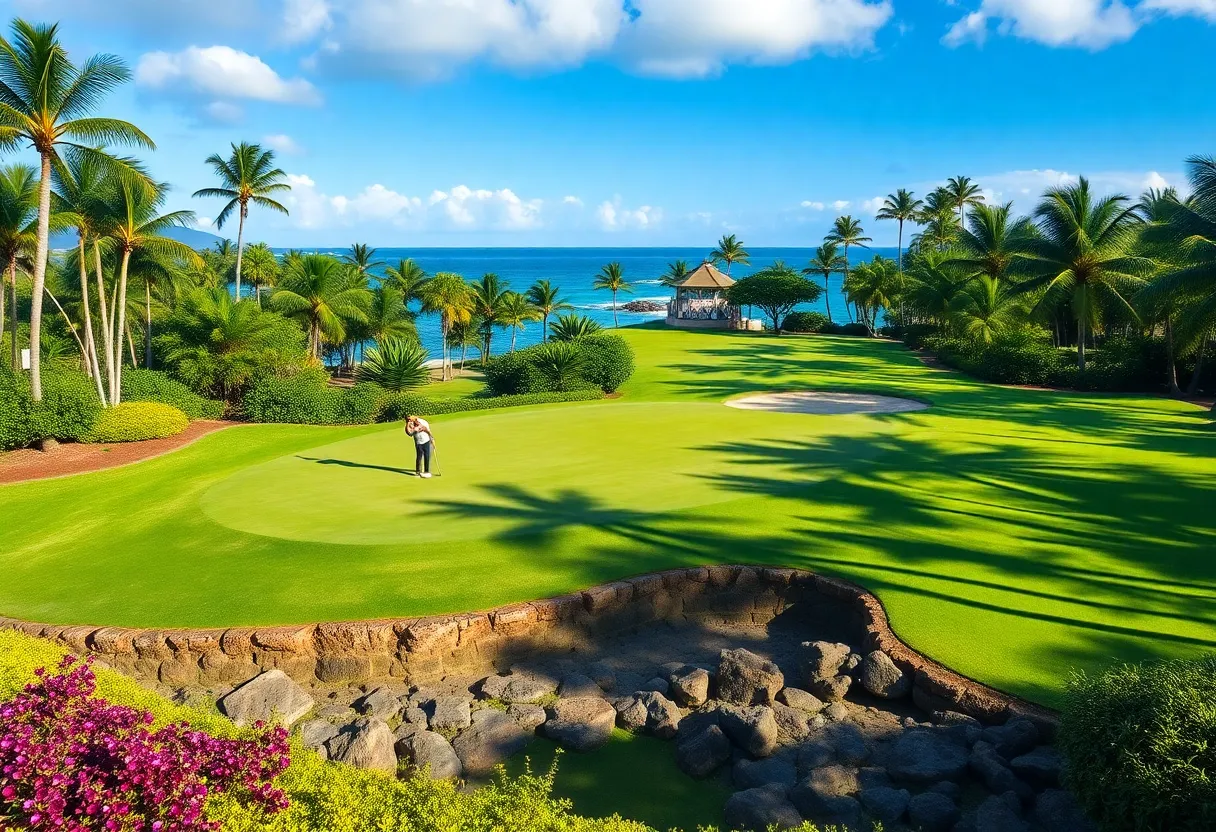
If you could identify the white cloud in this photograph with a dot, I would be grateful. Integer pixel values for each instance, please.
(614, 217)
(282, 143)
(873, 206)
(1093, 24)
(304, 19)
(572, 200)
(222, 75)
(1200, 8)
(814, 206)
(840, 205)
(1025, 187)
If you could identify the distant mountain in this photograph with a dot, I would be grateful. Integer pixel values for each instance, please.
(190, 236)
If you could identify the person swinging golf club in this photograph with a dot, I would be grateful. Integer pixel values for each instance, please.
(424, 444)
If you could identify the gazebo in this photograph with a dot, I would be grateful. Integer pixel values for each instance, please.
(700, 301)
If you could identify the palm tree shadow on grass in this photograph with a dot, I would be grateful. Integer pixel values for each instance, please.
(346, 463)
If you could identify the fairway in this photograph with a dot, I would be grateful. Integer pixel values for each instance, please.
(1013, 534)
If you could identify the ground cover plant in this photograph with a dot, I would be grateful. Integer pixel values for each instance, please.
(1068, 528)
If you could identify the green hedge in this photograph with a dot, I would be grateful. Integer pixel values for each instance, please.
(140, 385)
(1021, 358)
(397, 407)
(136, 421)
(67, 412)
(1140, 741)
(606, 363)
(306, 399)
(805, 322)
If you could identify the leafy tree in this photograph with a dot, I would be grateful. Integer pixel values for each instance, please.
(612, 278)
(776, 290)
(1085, 252)
(872, 287)
(45, 100)
(963, 192)
(315, 291)
(545, 298)
(489, 298)
(516, 311)
(987, 308)
(408, 278)
(675, 274)
(903, 207)
(247, 176)
(261, 267)
(465, 334)
(448, 295)
(572, 327)
(730, 250)
(995, 242)
(934, 281)
(827, 261)
(396, 365)
(362, 258)
(846, 232)
(940, 230)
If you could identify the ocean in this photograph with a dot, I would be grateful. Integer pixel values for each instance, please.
(574, 270)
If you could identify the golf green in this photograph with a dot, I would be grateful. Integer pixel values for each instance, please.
(1015, 535)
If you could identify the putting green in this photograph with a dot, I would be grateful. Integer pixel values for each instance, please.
(650, 458)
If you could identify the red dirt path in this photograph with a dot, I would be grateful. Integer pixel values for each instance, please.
(78, 458)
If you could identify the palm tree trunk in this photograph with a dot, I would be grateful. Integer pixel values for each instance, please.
(40, 256)
(106, 331)
(12, 283)
(615, 325)
(3, 304)
(1193, 387)
(1171, 369)
(130, 348)
(846, 281)
(901, 246)
(513, 332)
(1081, 344)
(91, 358)
(121, 327)
(544, 325)
(84, 353)
(446, 349)
(827, 295)
(147, 325)
(240, 240)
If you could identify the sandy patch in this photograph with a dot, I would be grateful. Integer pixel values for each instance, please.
(825, 403)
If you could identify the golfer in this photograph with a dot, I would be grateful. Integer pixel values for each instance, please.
(424, 444)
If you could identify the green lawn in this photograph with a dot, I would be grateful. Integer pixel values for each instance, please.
(1013, 534)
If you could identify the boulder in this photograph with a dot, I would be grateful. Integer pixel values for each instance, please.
(989, 767)
(1000, 813)
(381, 703)
(754, 729)
(406, 729)
(883, 678)
(925, 756)
(701, 754)
(824, 809)
(365, 743)
(450, 713)
(577, 685)
(529, 717)
(791, 724)
(837, 711)
(833, 688)
(932, 812)
(631, 713)
(690, 687)
(662, 715)
(415, 716)
(1058, 811)
(761, 809)
(884, 803)
(517, 688)
(833, 780)
(603, 674)
(315, 732)
(950, 789)
(1041, 766)
(747, 679)
(658, 685)
(815, 753)
(267, 697)
(823, 659)
(426, 748)
(1013, 739)
(802, 700)
(954, 718)
(778, 770)
(492, 737)
(850, 746)
(580, 723)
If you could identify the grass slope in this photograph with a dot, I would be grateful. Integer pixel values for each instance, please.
(1013, 534)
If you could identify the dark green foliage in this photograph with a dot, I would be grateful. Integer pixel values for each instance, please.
(360, 404)
(141, 385)
(396, 408)
(16, 426)
(136, 421)
(1124, 364)
(1017, 358)
(67, 412)
(571, 327)
(775, 291)
(605, 361)
(561, 364)
(301, 399)
(396, 365)
(805, 322)
(1140, 741)
(857, 330)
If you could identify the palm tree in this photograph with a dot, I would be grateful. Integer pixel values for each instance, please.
(408, 278)
(137, 226)
(560, 363)
(516, 311)
(545, 299)
(846, 232)
(941, 230)
(934, 281)
(164, 276)
(261, 267)
(827, 261)
(901, 206)
(315, 291)
(489, 295)
(986, 308)
(675, 274)
(963, 192)
(572, 327)
(18, 234)
(387, 318)
(362, 258)
(45, 99)
(612, 279)
(1086, 251)
(730, 251)
(872, 287)
(396, 365)
(447, 294)
(465, 334)
(247, 176)
(995, 243)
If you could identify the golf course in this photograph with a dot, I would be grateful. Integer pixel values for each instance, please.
(1013, 534)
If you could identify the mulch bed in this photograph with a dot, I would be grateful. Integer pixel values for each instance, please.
(79, 458)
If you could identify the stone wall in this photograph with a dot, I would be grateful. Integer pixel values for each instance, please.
(422, 649)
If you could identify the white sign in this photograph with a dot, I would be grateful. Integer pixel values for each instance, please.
(25, 359)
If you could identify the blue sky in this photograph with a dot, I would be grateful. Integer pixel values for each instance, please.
(649, 122)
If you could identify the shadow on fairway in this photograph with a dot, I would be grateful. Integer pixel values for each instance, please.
(346, 463)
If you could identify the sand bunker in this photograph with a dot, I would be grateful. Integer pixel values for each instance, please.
(826, 403)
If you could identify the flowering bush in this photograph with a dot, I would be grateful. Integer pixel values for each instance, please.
(70, 761)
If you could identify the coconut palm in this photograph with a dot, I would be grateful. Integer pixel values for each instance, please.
(987, 307)
(903, 207)
(261, 267)
(408, 278)
(45, 100)
(387, 318)
(938, 201)
(730, 250)
(545, 299)
(612, 278)
(397, 365)
(572, 327)
(675, 274)
(940, 230)
(846, 232)
(963, 192)
(489, 296)
(159, 276)
(872, 287)
(248, 176)
(18, 236)
(934, 281)
(827, 261)
(560, 362)
(1085, 252)
(362, 257)
(516, 312)
(995, 242)
(448, 295)
(465, 334)
(315, 291)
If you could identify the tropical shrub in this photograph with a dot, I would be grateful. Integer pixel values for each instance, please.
(396, 408)
(360, 404)
(142, 385)
(17, 428)
(135, 421)
(571, 327)
(1021, 357)
(307, 399)
(856, 330)
(775, 291)
(67, 412)
(560, 364)
(396, 365)
(602, 361)
(607, 361)
(1140, 741)
(72, 761)
(1123, 364)
(805, 322)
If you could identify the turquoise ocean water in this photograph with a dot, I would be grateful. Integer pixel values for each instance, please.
(574, 270)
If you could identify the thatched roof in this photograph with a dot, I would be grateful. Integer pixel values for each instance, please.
(706, 276)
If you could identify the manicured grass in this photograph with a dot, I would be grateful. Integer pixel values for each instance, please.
(469, 382)
(1013, 534)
